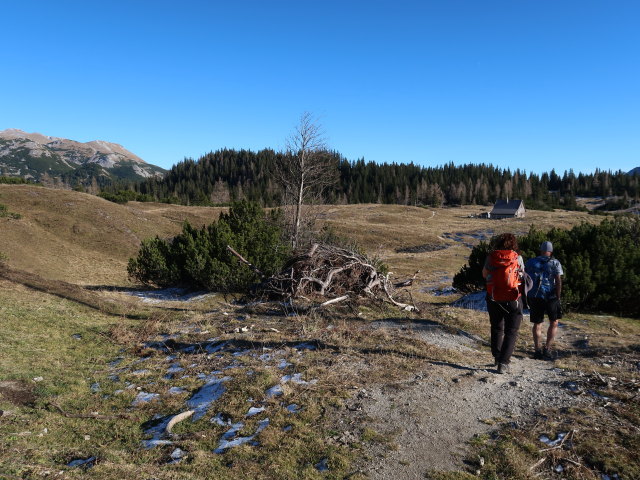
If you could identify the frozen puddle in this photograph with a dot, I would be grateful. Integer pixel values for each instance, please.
(229, 439)
(205, 396)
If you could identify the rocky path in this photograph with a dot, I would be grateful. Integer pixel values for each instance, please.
(431, 418)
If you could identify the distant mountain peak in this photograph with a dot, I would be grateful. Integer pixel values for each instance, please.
(31, 155)
(635, 171)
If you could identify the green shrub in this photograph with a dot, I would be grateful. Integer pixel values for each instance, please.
(601, 264)
(124, 196)
(199, 258)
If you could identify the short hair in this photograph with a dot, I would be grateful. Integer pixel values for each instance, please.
(504, 241)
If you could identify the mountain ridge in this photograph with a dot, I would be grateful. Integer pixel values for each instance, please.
(36, 156)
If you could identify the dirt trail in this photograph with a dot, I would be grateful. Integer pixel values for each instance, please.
(432, 417)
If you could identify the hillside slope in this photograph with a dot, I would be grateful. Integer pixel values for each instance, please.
(81, 238)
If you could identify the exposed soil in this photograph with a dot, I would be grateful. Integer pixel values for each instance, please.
(17, 392)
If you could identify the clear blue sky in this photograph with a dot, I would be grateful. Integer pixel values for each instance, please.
(530, 84)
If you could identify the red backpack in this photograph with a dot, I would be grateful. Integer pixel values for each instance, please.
(503, 279)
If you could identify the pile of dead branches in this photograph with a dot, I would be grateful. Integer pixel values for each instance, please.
(333, 273)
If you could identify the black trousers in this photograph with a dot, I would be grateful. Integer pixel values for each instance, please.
(505, 318)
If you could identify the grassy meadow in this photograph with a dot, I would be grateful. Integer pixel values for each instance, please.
(78, 352)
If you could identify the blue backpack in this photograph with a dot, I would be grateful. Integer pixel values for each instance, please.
(540, 272)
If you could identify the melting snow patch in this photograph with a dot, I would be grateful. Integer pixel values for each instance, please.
(219, 420)
(552, 443)
(167, 295)
(203, 398)
(228, 441)
(323, 465)
(214, 347)
(297, 378)
(293, 408)
(472, 301)
(176, 390)
(142, 372)
(274, 391)
(177, 455)
(287, 428)
(95, 388)
(175, 368)
(254, 411)
(283, 364)
(157, 431)
(82, 462)
(144, 397)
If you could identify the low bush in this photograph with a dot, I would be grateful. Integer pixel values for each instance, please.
(199, 258)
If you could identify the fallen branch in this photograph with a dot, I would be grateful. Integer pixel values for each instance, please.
(178, 418)
(537, 464)
(334, 300)
(95, 416)
(243, 260)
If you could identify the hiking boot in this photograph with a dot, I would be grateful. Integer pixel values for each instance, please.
(537, 355)
(548, 354)
(503, 368)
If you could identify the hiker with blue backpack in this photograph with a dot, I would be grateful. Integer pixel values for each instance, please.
(544, 297)
(503, 273)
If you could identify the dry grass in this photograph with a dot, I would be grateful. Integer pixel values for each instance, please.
(80, 238)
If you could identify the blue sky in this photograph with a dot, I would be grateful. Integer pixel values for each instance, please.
(529, 84)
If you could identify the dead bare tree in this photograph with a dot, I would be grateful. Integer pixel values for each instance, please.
(304, 171)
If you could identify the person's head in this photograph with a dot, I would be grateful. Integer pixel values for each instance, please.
(504, 241)
(546, 249)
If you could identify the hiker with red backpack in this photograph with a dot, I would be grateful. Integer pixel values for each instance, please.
(544, 297)
(503, 272)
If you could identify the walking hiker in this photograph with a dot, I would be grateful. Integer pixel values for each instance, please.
(503, 271)
(544, 297)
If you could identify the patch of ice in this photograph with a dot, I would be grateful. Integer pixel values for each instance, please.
(228, 441)
(283, 364)
(176, 390)
(297, 378)
(144, 397)
(82, 462)
(177, 455)
(205, 396)
(214, 347)
(115, 362)
(175, 368)
(219, 420)
(95, 387)
(552, 443)
(167, 295)
(254, 411)
(274, 391)
(293, 408)
(305, 346)
(472, 301)
(142, 372)
(323, 465)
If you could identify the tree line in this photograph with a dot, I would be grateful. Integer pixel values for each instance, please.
(229, 175)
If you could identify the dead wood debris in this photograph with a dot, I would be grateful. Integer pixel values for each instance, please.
(334, 273)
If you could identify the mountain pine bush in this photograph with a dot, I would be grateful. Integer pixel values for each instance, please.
(601, 264)
(198, 257)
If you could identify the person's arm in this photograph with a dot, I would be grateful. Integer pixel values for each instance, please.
(558, 286)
